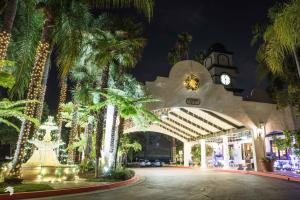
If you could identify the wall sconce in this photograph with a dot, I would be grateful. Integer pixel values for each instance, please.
(261, 129)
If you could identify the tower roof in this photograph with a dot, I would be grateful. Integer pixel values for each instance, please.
(218, 47)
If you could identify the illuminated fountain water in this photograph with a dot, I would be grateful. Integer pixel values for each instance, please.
(43, 165)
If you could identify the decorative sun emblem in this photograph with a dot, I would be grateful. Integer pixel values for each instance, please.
(191, 82)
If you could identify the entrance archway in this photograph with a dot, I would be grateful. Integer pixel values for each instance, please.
(192, 126)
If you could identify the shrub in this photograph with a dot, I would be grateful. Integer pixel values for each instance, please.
(268, 159)
(120, 174)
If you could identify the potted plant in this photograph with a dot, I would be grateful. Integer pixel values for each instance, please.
(268, 164)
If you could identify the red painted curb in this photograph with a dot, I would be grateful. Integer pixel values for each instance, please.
(190, 167)
(48, 193)
(265, 174)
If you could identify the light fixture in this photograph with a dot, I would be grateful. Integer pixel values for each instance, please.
(191, 82)
(175, 109)
(164, 116)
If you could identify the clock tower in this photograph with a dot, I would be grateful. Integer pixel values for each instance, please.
(219, 64)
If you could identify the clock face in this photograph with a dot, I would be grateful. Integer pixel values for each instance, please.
(225, 79)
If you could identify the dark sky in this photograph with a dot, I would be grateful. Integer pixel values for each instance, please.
(208, 21)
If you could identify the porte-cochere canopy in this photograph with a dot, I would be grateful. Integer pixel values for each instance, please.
(192, 124)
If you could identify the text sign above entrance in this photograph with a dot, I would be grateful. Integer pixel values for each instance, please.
(193, 101)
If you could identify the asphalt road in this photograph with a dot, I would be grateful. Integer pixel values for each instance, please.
(185, 184)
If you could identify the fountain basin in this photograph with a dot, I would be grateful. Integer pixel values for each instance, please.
(50, 173)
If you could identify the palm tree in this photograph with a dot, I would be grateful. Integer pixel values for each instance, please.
(86, 76)
(108, 48)
(53, 13)
(181, 49)
(129, 107)
(5, 34)
(281, 37)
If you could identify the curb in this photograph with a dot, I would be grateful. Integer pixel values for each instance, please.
(265, 174)
(184, 167)
(49, 193)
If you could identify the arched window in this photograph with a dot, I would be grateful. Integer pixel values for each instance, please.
(208, 62)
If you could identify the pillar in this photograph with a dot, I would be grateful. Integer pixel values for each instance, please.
(258, 148)
(225, 151)
(203, 154)
(187, 153)
(173, 150)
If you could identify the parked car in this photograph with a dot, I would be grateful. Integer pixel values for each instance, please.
(142, 163)
(147, 163)
(156, 163)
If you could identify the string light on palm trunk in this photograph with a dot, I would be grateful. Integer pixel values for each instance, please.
(62, 99)
(4, 41)
(35, 88)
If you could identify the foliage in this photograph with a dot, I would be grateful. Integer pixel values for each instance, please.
(181, 50)
(120, 174)
(25, 36)
(126, 144)
(15, 109)
(79, 143)
(6, 80)
(278, 56)
(129, 107)
(285, 143)
(67, 113)
(200, 57)
(268, 159)
(196, 152)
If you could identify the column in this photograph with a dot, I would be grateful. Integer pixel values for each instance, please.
(203, 154)
(258, 148)
(187, 153)
(173, 150)
(225, 151)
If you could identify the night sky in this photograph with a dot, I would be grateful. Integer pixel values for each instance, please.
(229, 22)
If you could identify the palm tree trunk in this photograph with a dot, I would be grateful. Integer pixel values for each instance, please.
(297, 61)
(33, 93)
(62, 100)
(89, 143)
(100, 119)
(5, 34)
(119, 133)
(73, 133)
(40, 106)
(113, 131)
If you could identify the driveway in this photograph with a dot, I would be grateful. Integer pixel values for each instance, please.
(184, 184)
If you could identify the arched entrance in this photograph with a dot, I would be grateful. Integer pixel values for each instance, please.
(194, 126)
(195, 107)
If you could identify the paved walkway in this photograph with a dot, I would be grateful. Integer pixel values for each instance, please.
(185, 184)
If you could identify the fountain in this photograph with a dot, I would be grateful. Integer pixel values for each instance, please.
(43, 165)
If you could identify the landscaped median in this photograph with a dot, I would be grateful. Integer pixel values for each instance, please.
(47, 193)
(265, 174)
